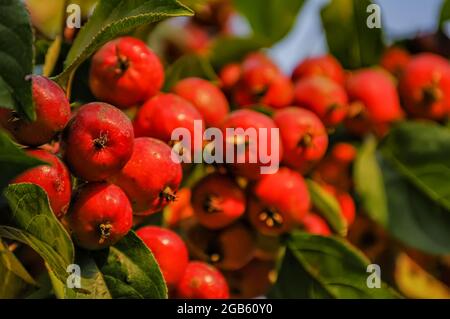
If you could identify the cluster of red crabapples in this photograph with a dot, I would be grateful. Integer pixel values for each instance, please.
(229, 224)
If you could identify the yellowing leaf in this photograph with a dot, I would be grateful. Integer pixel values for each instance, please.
(415, 282)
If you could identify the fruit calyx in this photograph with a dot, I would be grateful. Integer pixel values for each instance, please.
(431, 94)
(168, 194)
(271, 218)
(101, 141)
(105, 232)
(305, 141)
(332, 107)
(214, 252)
(212, 204)
(356, 110)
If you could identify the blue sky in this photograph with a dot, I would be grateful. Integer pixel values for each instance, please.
(401, 18)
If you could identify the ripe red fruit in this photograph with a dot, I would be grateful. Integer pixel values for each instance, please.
(164, 113)
(276, 93)
(202, 281)
(179, 210)
(279, 93)
(125, 72)
(374, 93)
(258, 71)
(333, 172)
(230, 75)
(262, 82)
(326, 65)
(347, 207)
(245, 119)
(98, 141)
(206, 97)
(53, 178)
(230, 248)
(217, 201)
(304, 137)
(282, 199)
(150, 178)
(195, 39)
(425, 87)
(314, 224)
(52, 114)
(327, 99)
(99, 216)
(395, 60)
(344, 153)
(169, 250)
(243, 97)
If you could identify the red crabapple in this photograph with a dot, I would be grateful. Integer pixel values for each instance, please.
(98, 141)
(327, 99)
(326, 65)
(52, 114)
(425, 87)
(230, 248)
(395, 60)
(150, 178)
(206, 97)
(169, 250)
(202, 281)
(217, 201)
(248, 119)
(374, 92)
(303, 136)
(125, 72)
(161, 115)
(279, 203)
(53, 178)
(316, 225)
(99, 216)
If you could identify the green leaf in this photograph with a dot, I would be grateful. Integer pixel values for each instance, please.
(6, 95)
(233, 49)
(270, 19)
(125, 270)
(348, 35)
(15, 279)
(16, 57)
(420, 151)
(325, 267)
(189, 66)
(13, 160)
(328, 207)
(112, 18)
(93, 285)
(34, 224)
(131, 271)
(399, 200)
(414, 218)
(445, 13)
(369, 184)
